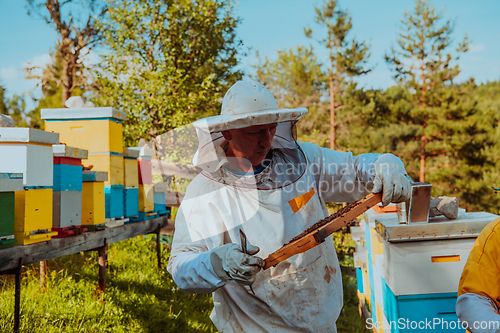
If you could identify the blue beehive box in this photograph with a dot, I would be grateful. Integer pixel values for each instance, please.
(67, 177)
(131, 201)
(114, 201)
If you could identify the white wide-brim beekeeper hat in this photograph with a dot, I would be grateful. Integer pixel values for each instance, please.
(248, 103)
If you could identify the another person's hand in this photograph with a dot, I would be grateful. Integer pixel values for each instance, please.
(391, 179)
(230, 263)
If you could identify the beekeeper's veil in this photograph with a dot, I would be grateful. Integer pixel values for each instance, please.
(248, 103)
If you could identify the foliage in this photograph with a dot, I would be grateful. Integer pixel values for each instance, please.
(296, 80)
(52, 90)
(77, 36)
(423, 64)
(349, 320)
(138, 297)
(347, 56)
(15, 107)
(3, 101)
(168, 62)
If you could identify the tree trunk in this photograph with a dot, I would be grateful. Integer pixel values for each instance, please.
(65, 80)
(422, 158)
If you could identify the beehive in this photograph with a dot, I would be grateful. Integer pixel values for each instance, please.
(67, 190)
(29, 152)
(9, 183)
(114, 201)
(414, 269)
(130, 167)
(33, 216)
(93, 199)
(131, 201)
(111, 163)
(93, 129)
(68, 167)
(144, 164)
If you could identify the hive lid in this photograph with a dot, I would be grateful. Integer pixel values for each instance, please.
(467, 225)
(129, 152)
(95, 176)
(61, 150)
(27, 135)
(10, 182)
(83, 113)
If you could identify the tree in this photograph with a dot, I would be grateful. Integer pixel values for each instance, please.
(169, 62)
(3, 102)
(347, 56)
(77, 37)
(423, 64)
(296, 80)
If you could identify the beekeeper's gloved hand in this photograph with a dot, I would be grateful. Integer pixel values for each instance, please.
(391, 179)
(230, 263)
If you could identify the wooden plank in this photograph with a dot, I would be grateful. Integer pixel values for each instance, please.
(316, 234)
(55, 248)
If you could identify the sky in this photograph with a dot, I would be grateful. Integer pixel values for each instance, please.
(271, 25)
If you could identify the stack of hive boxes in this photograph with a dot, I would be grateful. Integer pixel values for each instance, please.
(67, 200)
(146, 192)
(413, 269)
(131, 182)
(29, 151)
(98, 130)
(93, 200)
(9, 184)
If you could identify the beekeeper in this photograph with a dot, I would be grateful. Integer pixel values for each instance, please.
(255, 177)
(478, 303)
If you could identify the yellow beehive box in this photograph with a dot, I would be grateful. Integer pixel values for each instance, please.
(93, 203)
(130, 167)
(93, 135)
(131, 173)
(33, 210)
(33, 216)
(112, 164)
(146, 198)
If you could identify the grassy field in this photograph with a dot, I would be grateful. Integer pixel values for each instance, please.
(138, 297)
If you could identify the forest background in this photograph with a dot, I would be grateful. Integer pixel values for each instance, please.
(443, 126)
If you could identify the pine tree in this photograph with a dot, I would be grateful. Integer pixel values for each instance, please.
(296, 80)
(347, 57)
(425, 64)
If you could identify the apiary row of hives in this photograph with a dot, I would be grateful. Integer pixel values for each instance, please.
(408, 273)
(74, 176)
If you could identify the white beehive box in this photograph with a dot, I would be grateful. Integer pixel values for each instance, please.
(28, 151)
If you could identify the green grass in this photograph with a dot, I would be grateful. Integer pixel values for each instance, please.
(138, 297)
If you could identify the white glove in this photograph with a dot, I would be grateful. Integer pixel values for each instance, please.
(391, 179)
(230, 263)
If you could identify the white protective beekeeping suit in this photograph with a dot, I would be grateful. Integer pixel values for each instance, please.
(303, 293)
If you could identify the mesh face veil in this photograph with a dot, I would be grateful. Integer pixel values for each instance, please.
(283, 166)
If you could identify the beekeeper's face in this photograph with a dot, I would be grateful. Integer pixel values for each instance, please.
(252, 143)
